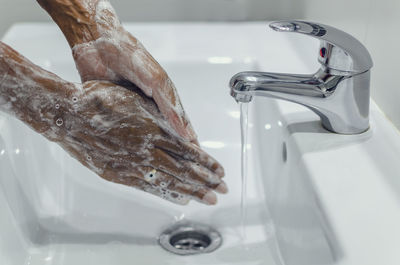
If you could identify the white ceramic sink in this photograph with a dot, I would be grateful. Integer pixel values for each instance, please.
(313, 197)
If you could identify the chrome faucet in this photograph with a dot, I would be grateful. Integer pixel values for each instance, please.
(338, 92)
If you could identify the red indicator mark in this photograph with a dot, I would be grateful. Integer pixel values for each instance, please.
(322, 52)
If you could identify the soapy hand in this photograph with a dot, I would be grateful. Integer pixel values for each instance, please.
(121, 135)
(125, 59)
(104, 50)
(127, 141)
(117, 132)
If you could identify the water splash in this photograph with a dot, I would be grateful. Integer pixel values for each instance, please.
(244, 112)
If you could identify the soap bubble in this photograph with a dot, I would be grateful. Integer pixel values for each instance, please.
(150, 176)
(59, 122)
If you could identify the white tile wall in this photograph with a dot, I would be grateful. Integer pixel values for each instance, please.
(383, 39)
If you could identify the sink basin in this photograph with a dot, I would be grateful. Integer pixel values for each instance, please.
(313, 197)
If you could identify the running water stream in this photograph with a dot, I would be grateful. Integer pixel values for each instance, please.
(244, 111)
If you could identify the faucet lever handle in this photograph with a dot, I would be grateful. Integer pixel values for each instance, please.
(338, 50)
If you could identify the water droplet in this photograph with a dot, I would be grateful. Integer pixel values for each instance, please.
(57, 106)
(59, 122)
(150, 176)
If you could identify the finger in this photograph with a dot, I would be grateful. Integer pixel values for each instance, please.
(163, 193)
(222, 188)
(146, 179)
(174, 185)
(211, 180)
(167, 100)
(186, 171)
(162, 184)
(191, 152)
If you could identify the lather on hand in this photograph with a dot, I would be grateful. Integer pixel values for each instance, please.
(104, 50)
(125, 121)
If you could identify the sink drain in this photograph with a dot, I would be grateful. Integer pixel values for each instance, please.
(190, 239)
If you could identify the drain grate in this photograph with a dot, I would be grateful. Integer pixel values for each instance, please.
(190, 239)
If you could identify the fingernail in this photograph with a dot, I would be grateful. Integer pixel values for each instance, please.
(210, 198)
(220, 171)
(195, 142)
(222, 188)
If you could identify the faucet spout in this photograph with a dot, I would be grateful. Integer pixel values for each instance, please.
(283, 86)
(339, 98)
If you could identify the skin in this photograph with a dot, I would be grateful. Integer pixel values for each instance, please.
(104, 50)
(124, 123)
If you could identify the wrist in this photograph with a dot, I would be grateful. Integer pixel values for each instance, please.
(83, 21)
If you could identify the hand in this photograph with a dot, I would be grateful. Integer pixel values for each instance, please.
(104, 50)
(121, 135)
(117, 132)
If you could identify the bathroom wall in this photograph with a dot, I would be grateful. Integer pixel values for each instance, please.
(12, 11)
(374, 22)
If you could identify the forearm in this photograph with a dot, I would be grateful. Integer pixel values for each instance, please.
(28, 92)
(82, 21)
